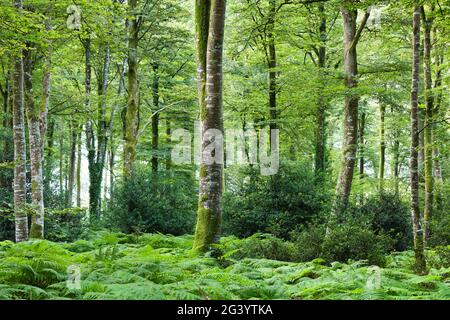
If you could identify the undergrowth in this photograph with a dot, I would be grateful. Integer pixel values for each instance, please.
(155, 266)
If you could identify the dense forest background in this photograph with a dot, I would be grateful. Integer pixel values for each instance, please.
(93, 92)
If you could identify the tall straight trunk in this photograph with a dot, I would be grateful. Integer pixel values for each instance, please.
(210, 23)
(321, 137)
(72, 164)
(155, 118)
(168, 135)
(61, 168)
(49, 157)
(20, 157)
(78, 170)
(382, 147)
(396, 157)
(428, 143)
(131, 113)
(33, 112)
(350, 141)
(362, 127)
(7, 155)
(98, 163)
(439, 60)
(414, 166)
(272, 64)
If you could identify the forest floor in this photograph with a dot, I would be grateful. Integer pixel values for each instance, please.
(154, 266)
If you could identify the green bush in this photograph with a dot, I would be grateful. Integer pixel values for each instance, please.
(64, 225)
(440, 229)
(388, 214)
(343, 242)
(258, 246)
(276, 204)
(146, 202)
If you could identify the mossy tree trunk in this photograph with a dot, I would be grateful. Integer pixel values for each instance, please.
(414, 165)
(33, 112)
(131, 122)
(428, 143)
(210, 22)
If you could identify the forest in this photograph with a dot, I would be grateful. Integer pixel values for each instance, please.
(224, 150)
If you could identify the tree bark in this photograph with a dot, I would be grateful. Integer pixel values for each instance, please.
(362, 127)
(428, 143)
(72, 164)
(350, 142)
(210, 22)
(414, 167)
(20, 158)
(33, 112)
(131, 113)
(382, 147)
(321, 136)
(155, 118)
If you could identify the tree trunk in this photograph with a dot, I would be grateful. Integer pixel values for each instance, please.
(382, 147)
(33, 112)
(7, 155)
(20, 158)
(155, 118)
(78, 171)
(272, 64)
(362, 127)
(168, 135)
(321, 136)
(210, 22)
(350, 142)
(72, 165)
(414, 167)
(428, 143)
(396, 157)
(131, 114)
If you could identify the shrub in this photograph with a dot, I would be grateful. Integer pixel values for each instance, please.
(258, 246)
(343, 242)
(440, 229)
(64, 225)
(388, 214)
(275, 204)
(146, 202)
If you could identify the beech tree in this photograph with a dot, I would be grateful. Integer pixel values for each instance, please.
(210, 23)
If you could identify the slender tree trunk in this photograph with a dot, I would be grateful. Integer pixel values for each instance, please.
(20, 158)
(49, 158)
(72, 164)
(321, 136)
(382, 147)
(61, 167)
(97, 165)
(414, 167)
(155, 118)
(78, 170)
(33, 112)
(396, 157)
(272, 64)
(169, 139)
(131, 114)
(428, 143)
(362, 127)
(6, 180)
(210, 22)
(439, 58)
(350, 143)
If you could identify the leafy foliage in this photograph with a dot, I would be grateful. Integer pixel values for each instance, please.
(153, 266)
